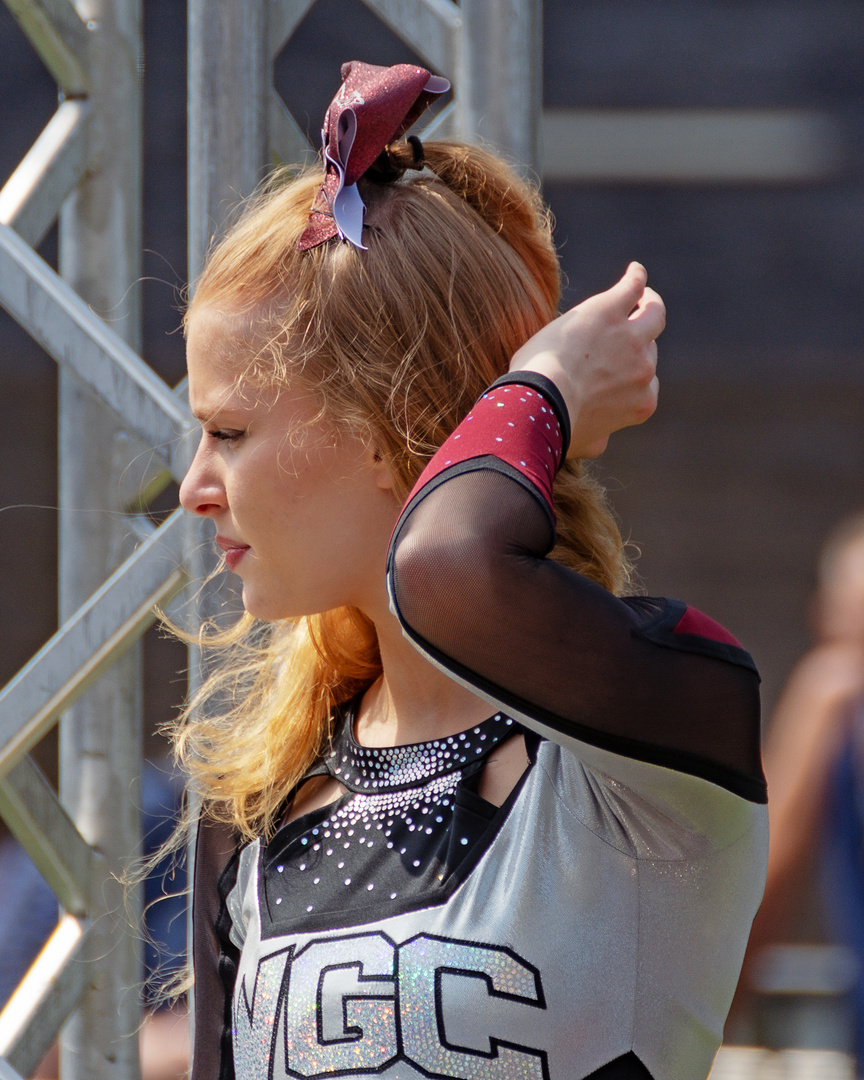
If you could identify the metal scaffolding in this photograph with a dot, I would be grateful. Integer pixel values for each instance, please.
(85, 170)
(488, 49)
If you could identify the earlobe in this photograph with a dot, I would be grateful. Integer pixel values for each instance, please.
(381, 468)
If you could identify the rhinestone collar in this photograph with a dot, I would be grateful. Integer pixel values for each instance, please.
(368, 770)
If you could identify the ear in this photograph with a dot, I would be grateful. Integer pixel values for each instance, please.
(381, 468)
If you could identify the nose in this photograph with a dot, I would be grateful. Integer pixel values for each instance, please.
(203, 490)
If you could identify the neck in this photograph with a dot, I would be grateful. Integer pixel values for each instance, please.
(413, 701)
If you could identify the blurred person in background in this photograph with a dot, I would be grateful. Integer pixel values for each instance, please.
(814, 763)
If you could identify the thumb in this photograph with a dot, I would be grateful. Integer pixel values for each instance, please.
(626, 293)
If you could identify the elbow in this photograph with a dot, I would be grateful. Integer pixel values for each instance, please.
(436, 580)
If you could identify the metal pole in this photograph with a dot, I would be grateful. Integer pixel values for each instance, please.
(100, 739)
(229, 81)
(499, 85)
(230, 74)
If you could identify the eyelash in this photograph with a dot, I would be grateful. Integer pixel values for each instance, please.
(225, 436)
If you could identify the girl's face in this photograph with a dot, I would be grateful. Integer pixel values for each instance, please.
(303, 513)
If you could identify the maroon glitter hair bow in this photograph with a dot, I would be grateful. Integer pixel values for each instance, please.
(374, 106)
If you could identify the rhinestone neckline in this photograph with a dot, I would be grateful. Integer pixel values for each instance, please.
(366, 769)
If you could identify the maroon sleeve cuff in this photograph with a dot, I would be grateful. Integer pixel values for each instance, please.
(514, 423)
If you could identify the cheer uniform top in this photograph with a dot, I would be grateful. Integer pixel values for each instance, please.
(595, 923)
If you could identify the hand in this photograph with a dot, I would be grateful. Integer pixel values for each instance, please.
(602, 356)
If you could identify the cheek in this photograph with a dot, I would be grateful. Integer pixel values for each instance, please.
(291, 503)
(270, 478)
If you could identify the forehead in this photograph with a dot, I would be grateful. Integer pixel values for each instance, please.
(219, 349)
(217, 340)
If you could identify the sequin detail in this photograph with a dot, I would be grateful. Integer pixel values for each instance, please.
(515, 424)
(365, 769)
(392, 835)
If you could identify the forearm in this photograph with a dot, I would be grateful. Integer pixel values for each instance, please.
(471, 583)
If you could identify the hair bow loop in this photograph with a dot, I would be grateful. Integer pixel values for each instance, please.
(374, 106)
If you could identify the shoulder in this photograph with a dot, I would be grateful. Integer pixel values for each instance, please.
(646, 810)
(833, 671)
(677, 625)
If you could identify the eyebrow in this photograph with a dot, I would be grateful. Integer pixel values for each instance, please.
(204, 415)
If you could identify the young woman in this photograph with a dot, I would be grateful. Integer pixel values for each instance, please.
(469, 812)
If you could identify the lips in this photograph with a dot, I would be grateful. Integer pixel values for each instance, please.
(234, 550)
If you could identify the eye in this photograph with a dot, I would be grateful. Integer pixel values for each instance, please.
(223, 435)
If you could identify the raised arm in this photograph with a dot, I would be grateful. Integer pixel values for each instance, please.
(469, 578)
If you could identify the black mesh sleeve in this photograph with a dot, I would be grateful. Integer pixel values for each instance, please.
(473, 589)
(214, 957)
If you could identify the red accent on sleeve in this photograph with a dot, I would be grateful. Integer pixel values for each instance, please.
(513, 423)
(695, 622)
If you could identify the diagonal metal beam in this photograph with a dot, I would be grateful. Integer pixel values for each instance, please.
(283, 18)
(32, 196)
(56, 32)
(68, 330)
(430, 27)
(444, 124)
(33, 1016)
(7, 1072)
(111, 620)
(39, 822)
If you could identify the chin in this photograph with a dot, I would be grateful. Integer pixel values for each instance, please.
(270, 608)
(266, 608)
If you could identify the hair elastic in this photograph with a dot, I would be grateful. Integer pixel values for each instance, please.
(419, 152)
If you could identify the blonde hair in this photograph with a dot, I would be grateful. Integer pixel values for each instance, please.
(397, 341)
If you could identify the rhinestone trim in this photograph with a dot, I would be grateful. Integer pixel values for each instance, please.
(374, 770)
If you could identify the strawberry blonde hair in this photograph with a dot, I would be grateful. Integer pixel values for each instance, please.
(397, 341)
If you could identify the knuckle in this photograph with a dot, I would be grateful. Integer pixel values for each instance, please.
(645, 410)
(647, 368)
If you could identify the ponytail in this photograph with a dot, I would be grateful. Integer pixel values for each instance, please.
(510, 207)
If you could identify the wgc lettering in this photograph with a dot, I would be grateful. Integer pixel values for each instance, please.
(360, 1003)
